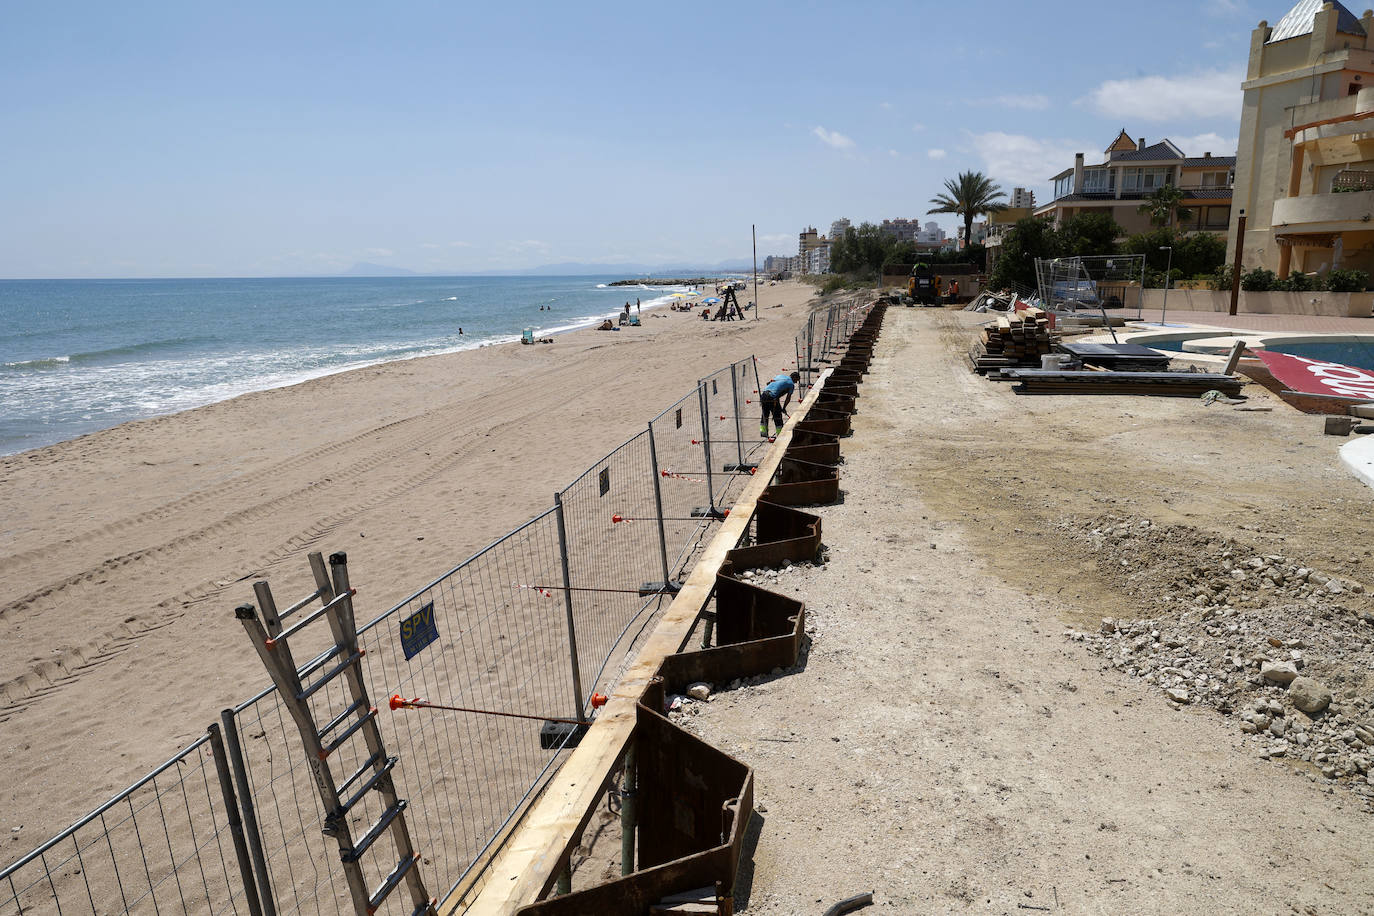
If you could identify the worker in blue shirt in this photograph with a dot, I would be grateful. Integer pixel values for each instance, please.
(776, 391)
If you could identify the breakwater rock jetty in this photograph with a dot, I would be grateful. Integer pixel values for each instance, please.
(666, 281)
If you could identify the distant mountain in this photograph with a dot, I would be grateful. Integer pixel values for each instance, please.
(578, 269)
(363, 269)
(563, 269)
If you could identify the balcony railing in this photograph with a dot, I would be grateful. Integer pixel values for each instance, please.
(1352, 180)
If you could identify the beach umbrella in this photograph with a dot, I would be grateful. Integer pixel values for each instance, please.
(711, 301)
(680, 296)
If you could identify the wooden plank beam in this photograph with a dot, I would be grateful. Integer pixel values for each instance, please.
(533, 856)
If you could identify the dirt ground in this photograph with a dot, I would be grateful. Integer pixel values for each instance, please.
(950, 745)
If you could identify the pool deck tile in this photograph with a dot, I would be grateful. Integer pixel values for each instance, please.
(1358, 457)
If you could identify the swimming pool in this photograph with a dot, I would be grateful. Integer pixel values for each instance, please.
(1357, 352)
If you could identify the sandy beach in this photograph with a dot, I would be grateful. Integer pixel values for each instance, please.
(123, 553)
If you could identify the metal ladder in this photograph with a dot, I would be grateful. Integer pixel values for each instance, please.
(269, 636)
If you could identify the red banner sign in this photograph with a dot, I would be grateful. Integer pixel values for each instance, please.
(1315, 376)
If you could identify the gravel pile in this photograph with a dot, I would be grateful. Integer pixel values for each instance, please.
(1285, 650)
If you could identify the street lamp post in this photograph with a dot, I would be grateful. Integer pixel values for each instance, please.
(1168, 278)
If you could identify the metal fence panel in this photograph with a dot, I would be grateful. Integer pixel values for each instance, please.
(160, 846)
(503, 647)
(682, 477)
(518, 633)
(609, 561)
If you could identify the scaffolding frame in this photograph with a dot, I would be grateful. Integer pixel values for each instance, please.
(1092, 282)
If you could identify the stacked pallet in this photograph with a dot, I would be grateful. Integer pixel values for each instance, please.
(1168, 384)
(1020, 338)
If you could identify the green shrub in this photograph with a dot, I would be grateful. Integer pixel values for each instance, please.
(1297, 282)
(1220, 279)
(1347, 281)
(834, 282)
(1258, 280)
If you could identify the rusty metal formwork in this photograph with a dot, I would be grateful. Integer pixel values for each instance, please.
(696, 801)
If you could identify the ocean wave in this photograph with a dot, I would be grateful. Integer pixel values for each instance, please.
(601, 286)
(450, 299)
(110, 354)
(51, 362)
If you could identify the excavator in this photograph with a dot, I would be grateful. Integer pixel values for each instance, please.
(921, 286)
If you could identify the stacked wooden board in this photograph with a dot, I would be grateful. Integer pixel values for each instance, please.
(1017, 339)
(1168, 384)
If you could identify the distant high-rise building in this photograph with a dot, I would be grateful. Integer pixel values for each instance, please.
(903, 230)
(807, 239)
(1020, 197)
(931, 234)
(838, 227)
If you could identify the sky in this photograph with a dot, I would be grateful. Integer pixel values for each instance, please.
(286, 138)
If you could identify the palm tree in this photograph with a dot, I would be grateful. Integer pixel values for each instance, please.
(970, 194)
(1164, 206)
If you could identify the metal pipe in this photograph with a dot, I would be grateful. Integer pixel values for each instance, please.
(568, 608)
(231, 810)
(658, 509)
(850, 904)
(704, 403)
(250, 816)
(627, 812)
(734, 403)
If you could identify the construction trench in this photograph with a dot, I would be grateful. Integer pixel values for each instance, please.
(685, 805)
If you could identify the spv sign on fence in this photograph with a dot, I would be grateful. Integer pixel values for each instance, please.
(418, 630)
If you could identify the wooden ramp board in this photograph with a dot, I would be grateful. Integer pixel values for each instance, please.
(1117, 355)
(524, 871)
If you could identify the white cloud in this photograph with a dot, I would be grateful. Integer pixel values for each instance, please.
(894, 154)
(378, 252)
(429, 244)
(1210, 142)
(460, 244)
(1225, 7)
(936, 153)
(918, 127)
(1028, 101)
(885, 105)
(833, 138)
(1021, 161)
(776, 237)
(1208, 94)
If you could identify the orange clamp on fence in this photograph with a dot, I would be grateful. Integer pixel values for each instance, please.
(674, 475)
(617, 519)
(397, 702)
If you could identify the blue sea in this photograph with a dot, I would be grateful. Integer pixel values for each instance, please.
(83, 355)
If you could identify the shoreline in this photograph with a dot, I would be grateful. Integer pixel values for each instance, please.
(289, 380)
(134, 543)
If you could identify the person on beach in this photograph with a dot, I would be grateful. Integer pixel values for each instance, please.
(775, 397)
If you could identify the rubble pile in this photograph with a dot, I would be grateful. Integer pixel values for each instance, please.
(1284, 649)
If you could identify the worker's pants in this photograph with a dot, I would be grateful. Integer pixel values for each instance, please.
(770, 408)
